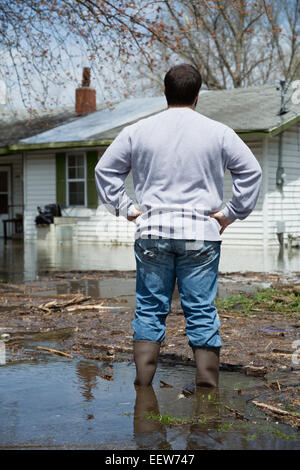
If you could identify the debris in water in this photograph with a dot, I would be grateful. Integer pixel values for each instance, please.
(237, 413)
(165, 385)
(55, 351)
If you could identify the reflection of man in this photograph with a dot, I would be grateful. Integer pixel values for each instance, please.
(149, 433)
(178, 158)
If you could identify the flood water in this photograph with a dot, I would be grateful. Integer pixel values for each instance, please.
(55, 402)
(23, 261)
(84, 404)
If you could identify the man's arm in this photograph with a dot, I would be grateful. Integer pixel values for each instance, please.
(110, 174)
(246, 176)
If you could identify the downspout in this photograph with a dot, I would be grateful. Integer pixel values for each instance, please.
(23, 192)
(280, 180)
(280, 173)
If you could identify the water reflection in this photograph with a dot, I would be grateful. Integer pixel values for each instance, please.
(87, 374)
(20, 261)
(61, 403)
(149, 433)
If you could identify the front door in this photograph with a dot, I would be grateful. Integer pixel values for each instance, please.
(5, 194)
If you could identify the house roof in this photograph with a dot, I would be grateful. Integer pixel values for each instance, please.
(253, 110)
(91, 127)
(14, 130)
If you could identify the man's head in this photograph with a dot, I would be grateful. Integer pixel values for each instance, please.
(182, 85)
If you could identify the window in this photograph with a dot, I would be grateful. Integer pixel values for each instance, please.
(76, 179)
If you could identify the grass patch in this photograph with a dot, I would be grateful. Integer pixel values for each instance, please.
(167, 419)
(275, 432)
(282, 435)
(224, 427)
(265, 300)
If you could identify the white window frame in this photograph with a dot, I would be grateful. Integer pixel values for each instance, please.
(76, 180)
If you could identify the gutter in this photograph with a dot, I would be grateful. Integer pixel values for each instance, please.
(22, 147)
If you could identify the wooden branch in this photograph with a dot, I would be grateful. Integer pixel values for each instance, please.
(54, 304)
(94, 307)
(55, 351)
(272, 409)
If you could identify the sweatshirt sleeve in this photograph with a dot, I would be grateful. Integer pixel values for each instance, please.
(111, 172)
(246, 176)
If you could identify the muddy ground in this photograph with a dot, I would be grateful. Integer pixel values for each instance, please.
(259, 344)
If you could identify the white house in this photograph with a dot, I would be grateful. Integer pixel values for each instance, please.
(57, 165)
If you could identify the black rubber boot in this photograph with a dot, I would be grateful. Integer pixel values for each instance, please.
(145, 354)
(207, 364)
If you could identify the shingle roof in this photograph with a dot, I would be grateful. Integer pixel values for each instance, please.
(248, 109)
(14, 130)
(253, 109)
(91, 126)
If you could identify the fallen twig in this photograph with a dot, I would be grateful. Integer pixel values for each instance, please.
(237, 413)
(94, 307)
(55, 351)
(282, 352)
(54, 304)
(272, 409)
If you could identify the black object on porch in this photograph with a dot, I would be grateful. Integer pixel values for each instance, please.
(46, 216)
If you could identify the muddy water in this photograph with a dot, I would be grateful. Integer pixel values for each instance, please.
(20, 261)
(55, 402)
(76, 403)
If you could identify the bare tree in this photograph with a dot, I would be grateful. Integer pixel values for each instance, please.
(233, 43)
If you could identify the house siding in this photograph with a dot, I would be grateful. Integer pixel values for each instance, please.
(284, 205)
(39, 188)
(260, 228)
(101, 226)
(249, 231)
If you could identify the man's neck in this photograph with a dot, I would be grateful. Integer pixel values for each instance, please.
(184, 106)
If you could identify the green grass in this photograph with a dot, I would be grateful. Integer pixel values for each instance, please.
(224, 427)
(266, 300)
(167, 419)
(282, 435)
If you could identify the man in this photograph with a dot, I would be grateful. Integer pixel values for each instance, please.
(178, 158)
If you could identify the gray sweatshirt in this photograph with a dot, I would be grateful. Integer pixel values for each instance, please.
(178, 159)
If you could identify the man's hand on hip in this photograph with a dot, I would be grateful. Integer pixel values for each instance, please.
(223, 221)
(133, 215)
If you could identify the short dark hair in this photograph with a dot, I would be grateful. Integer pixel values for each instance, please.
(182, 84)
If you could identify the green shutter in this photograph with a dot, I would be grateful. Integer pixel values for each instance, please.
(92, 195)
(61, 179)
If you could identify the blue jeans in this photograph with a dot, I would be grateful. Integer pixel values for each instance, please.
(159, 262)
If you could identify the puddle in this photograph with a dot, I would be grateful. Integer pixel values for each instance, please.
(80, 404)
(124, 289)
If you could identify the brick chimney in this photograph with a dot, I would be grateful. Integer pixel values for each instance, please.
(85, 97)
